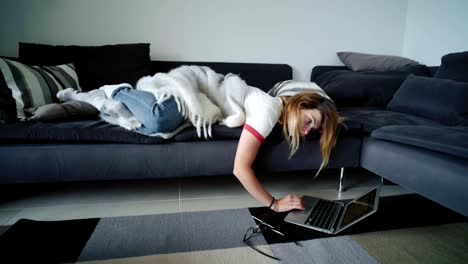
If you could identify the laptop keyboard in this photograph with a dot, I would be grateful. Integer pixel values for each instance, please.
(323, 214)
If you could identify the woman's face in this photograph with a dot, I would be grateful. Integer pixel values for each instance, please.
(311, 120)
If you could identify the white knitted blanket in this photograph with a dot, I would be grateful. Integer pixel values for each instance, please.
(203, 96)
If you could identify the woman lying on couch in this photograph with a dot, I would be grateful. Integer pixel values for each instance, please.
(161, 104)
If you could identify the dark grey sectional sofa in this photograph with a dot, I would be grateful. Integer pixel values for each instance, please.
(418, 153)
(94, 150)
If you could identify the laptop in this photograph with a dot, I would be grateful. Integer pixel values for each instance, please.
(332, 217)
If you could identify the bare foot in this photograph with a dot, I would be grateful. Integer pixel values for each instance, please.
(66, 94)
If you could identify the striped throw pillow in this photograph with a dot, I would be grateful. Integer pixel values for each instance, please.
(34, 86)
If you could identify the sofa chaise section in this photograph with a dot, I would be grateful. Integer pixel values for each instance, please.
(414, 129)
(431, 160)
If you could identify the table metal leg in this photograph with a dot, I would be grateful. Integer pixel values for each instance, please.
(341, 184)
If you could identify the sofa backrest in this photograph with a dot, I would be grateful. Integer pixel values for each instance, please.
(260, 75)
(433, 70)
(319, 70)
(350, 88)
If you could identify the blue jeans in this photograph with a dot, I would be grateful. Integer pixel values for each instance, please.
(154, 117)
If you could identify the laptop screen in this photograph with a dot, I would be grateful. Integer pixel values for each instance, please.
(359, 208)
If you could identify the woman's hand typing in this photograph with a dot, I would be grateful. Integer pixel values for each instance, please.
(288, 203)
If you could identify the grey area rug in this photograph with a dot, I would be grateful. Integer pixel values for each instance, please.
(216, 237)
(192, 237)
(337, 250)
(120, 237)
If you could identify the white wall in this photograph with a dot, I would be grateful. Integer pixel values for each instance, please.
(435, 28)
(302, 33)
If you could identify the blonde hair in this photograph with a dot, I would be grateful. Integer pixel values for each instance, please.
(290, 119)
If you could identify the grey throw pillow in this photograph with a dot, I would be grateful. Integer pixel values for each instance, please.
(372, 62)
(440, 100)
(454, 67)
(33, 85)
(69, 110)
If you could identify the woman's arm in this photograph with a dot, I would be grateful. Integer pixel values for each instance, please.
(246, 153)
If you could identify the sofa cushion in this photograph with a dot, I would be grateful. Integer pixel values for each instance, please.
(454, 67)
(75, 131)
(95, 65)
(437, 99)
(373, 62)
(450, 140)
(374, 118)
(33, 86)
(221, 132)
(348, 88)
(218, 132)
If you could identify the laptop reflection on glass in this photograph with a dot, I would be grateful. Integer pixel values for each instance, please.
(332, 217)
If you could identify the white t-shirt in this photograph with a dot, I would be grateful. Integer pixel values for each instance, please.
(263, 110)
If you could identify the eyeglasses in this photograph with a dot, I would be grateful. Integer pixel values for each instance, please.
(261, 227)
(254, 231)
